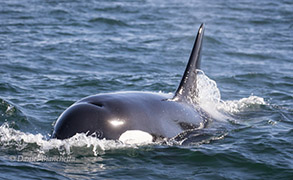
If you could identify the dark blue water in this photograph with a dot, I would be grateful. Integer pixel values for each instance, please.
(53, 53)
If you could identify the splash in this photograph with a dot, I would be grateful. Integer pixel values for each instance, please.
(209, 96)
(10, 137)
(209, 99)
(207, 89)
(244, 104)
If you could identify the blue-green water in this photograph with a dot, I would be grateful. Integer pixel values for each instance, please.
(53, 53)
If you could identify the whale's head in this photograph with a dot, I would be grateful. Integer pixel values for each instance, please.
(91, 116)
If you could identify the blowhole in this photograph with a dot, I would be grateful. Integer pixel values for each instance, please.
(97, 104)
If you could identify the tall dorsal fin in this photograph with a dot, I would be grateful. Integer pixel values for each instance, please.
(187, 87)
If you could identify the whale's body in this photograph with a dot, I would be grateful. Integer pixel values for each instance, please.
(110, 115)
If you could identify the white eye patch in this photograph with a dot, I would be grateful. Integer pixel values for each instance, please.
(136, 137)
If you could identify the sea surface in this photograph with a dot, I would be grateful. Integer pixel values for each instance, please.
(54, 52)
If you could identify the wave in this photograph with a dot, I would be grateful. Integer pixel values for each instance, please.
(209, 98)
(244, 104)
(109, 21)
(13, 114)
(38, 143)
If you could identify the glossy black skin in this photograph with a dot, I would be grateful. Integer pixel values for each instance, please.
(150, 112)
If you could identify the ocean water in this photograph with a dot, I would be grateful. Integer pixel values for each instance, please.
(52, 53)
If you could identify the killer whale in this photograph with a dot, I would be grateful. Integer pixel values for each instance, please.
(110, 115)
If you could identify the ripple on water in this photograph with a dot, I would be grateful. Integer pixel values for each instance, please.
(107, 21)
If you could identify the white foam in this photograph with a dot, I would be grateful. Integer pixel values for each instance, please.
(11, 138)
(241, 105)
(209, 99)
(207, 89)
